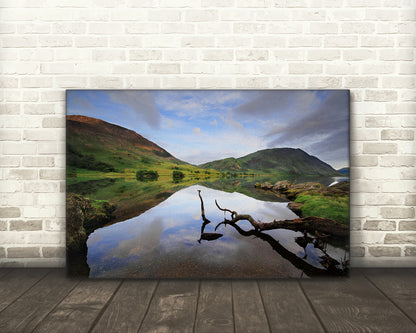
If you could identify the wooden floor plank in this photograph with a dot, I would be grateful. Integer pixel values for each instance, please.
(354, 305)
(29, 310)
(215, 312)
(128, 307)
(249, 315)
(399, 285)
(77, 312)
(17, 282)
(287, 308)
(172, 308)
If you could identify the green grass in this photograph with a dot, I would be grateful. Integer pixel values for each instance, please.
(331, 207)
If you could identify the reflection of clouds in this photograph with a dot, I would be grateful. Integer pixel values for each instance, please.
(146, 242)
(167, 235)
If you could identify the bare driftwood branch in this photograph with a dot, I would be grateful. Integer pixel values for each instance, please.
(310, 224)
(329, 263)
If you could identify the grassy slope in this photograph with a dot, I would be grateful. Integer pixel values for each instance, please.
(279, 161)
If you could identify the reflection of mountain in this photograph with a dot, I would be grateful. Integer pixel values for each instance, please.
(97, 145)
(276, 160)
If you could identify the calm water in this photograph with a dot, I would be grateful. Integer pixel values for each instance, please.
(163, 241)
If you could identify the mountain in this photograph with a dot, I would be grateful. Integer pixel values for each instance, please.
(276, 160)
(97, 145)
(345, 171)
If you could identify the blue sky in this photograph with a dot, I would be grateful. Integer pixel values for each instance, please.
(199, 126)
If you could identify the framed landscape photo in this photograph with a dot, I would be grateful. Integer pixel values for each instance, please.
(207, 183)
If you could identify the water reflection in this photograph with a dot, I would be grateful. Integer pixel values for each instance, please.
(167, 241)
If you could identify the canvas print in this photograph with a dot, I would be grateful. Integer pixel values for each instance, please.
(207, 183)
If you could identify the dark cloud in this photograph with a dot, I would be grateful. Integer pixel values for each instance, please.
(317, 121)
(142, 103)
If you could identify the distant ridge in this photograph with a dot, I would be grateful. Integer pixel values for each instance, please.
(275, 160)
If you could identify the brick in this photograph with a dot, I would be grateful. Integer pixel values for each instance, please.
(236, 15)
(398, 82)
(2, 252)
(305, 68)
(326, 54)
(252, 55)
(164, 15)
(378, 68)
(144, 55)
(9, 109)
(234, 41)
(177, 28)
(10, 135)
(357, 251)
(3, 225)
(214, 28)
(358, 54)
(377, 41)
(400, 238)
(55, 225)
(407, 225)
(285, 28)
(39, 109)
(42, 135)
(19, 148)
(179, 82)
(10, 186)
(394, 134)
(380, 225)
(384, 251)
(109, 55)
(249, 28)
(29, 225)
(38, 161)
(204, 15)
(287, 55)
(129, 68)
(48, 147)
(397, 161)
(396, 55)
(410, 200)
(341, 41)
(125, 41)
(397, 212)
(381, 95)
(39, 186)
(90, 41)
(53, 252)
(198, 68)
(308, 15)
(323, 28)
(341, 68)
(252, 82)
(9, 161)
(218, 55)
(355, 225)
(55, 41)
(358, 28)
(163, 68)
(361, 82)
(322, 82)
(106, 28)
(198, 41)
(23, 252)
(380, 148)
(19, 41)
(22, 174)
(52, 174)
(9, 212)
(410, 251)
(384, 199)
(162, 41)
(108, 82)
(305, 41)
(53, 122)
(266, 41)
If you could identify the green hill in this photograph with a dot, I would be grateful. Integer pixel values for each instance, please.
(94, 144)
(277, 160)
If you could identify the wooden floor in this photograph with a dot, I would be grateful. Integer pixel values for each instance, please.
(370, 300)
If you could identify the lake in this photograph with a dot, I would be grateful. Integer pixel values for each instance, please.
(165, 241)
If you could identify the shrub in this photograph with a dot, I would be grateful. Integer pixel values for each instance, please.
(177, 175)
(145, 175)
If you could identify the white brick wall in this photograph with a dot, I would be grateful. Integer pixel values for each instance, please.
(365, 46)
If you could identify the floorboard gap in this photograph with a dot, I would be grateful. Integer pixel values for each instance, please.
(265, 310)
(104, 307)
(312, 307)
(390, 300)
(148, 306)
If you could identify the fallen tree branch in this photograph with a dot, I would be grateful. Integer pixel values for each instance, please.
(310, 224)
